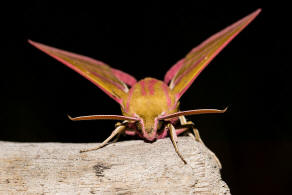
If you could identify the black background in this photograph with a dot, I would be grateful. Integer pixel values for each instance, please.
(251, 75)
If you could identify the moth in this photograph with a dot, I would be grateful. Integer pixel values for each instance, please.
(150, 107)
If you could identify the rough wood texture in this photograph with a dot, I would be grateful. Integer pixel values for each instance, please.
(131, 167)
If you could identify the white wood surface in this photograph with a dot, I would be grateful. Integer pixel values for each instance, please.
(130, 167)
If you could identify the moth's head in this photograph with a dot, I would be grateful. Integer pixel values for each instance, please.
(148, 126)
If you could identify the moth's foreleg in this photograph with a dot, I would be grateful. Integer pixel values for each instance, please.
(116, 138)
(119, 129)
(197, 136)
(119, 134)
(173, 138)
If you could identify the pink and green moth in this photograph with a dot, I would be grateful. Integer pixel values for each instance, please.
(150, 107)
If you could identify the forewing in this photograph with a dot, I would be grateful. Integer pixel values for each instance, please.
(111, 81)
(183, 73)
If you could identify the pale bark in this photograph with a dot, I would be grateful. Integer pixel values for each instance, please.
(130, 167)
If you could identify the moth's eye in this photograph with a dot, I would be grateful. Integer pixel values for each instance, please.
(160, 124)
(138, 125)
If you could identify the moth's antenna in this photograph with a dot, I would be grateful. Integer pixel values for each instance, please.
(102, 117)
(193, 112)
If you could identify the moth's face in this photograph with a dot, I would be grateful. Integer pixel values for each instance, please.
(148, 127)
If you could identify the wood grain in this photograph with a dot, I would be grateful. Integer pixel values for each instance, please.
(130, 167)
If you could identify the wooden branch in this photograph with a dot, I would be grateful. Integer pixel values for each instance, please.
(130, 167)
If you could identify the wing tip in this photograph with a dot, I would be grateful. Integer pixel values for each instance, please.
(255, 13)
(36, 44)
(258, 10)
(31, 42)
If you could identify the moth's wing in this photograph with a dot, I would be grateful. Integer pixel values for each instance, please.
(111, 81)
(125, 77)
(184, 72)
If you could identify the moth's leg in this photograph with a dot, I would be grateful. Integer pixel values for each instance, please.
(197, 136)
(190, 124)
(119, 135)
(173, 138)
(117, 131)
(116, 138)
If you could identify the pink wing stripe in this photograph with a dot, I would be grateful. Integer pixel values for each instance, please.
(40, 46)
(171, 74)
(121, 87)
(250, 17)
(218, 34)
(102, 117)
(189, 70)
(190, 83)
(78, 56)
(125, 77)
(173, 70)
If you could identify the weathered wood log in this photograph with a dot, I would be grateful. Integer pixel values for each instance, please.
(129, 167)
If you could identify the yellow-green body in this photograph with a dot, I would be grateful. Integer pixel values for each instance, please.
(147, 100)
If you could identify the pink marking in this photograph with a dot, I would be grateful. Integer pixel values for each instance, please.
(130, 94)
(132, 125)
(129, 132)
(151, 86)
(126, 78)
(151, 137)
(118, 85)
(71, 54)
(163, 134)
(156, 123)
(142, 124)
(47, 49)
(173, 70)
(246, 19)
(179, 131)
(188, 85)
(140, 134)
(144, 133)
(241, 24)
(174, 120)
(142, 84)
(177, 80)
(174, 105)
(166, 92)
